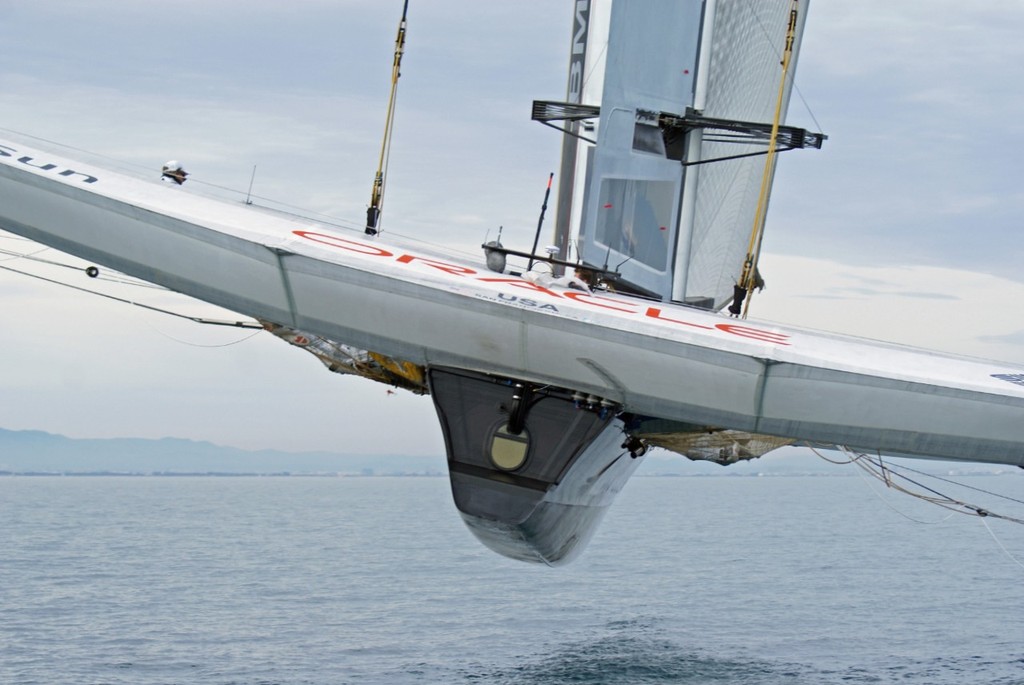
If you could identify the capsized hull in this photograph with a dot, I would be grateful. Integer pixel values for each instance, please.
(653, 359)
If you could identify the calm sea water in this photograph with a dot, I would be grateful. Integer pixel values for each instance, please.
(317, 581)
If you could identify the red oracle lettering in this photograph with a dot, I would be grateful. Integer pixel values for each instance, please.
(453, 269)
(754, 333)
(519, 283)
(579, 297)
(655, 313)
(344, 244)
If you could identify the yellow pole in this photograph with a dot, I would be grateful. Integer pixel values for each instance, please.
(377, 194)
(748, 277)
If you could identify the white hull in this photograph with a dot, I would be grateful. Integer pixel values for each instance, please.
(654, 359)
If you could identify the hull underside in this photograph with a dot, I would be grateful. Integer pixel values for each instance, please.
(532, 471)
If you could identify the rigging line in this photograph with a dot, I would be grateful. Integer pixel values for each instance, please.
(953, 482)
(147, 171)
(867, 470)
(31, 256)
(1000, 543)
(752, 5)
(920, 485)
(778, 54)
(196, 319)
(881, 471)
(65, 146)
(876, 493)
(294, 211)
(192, 344)
(139, 168)
(19, 255)
(939, 499)
(124, 280)
(807, 106)
(950, 502)
(818, 454)
(279, 203)
(593, 67)
(442, 247)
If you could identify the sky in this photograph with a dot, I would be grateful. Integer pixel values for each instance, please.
(905, 226)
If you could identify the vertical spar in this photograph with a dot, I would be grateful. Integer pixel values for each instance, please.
(377, 194)
(570, 144)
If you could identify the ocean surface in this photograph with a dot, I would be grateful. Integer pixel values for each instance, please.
(320, 581)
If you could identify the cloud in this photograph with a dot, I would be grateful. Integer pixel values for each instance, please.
(1015, 338)
(918, 167)
(962, 312)
(844, 292)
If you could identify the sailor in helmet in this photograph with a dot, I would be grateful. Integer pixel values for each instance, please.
(172, 171)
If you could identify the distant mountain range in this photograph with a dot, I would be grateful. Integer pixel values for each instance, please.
(25, 452)
(40, 452)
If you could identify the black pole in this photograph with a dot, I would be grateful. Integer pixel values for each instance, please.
(540, 222)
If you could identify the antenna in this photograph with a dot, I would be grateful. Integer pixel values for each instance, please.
(252, 178)
(540, 222)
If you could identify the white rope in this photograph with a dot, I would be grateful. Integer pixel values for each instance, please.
(885, 473)
(998, 542)
(192, 344)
